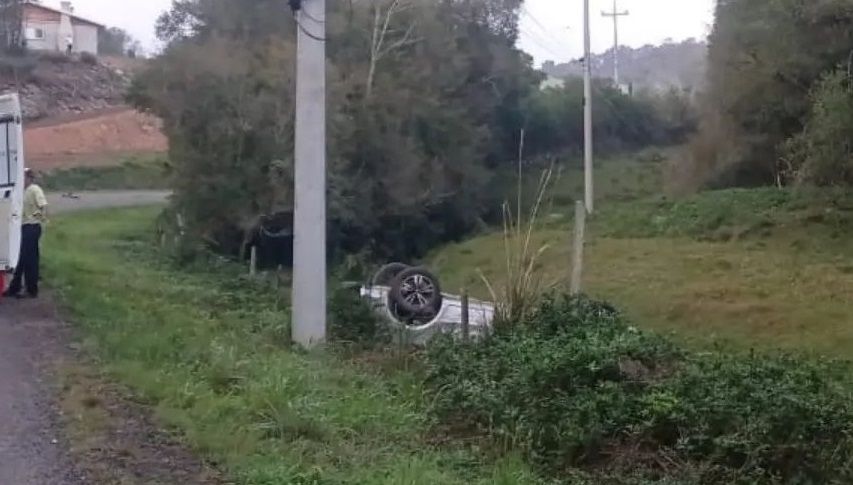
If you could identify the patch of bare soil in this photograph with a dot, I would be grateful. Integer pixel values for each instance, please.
(92, 139)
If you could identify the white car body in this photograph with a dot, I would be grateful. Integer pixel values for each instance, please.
(11, 180)
(448, 321)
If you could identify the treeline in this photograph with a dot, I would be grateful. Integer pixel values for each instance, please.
(426, 102)
(779, 105)
(554, 118)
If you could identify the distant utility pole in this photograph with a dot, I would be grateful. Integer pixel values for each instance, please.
(309, 248)
(587, 107)
(616, 14)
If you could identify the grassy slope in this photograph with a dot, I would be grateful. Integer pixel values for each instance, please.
(755, 268)
(204, 348)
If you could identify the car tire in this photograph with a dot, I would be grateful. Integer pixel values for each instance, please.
(416, 291)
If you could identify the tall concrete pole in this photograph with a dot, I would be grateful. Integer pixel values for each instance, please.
(309, 249)
(587, 108)
(615, 14)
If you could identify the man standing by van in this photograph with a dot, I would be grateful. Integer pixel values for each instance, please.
(35, 207)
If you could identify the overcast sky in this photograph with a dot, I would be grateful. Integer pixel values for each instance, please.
(551, 29)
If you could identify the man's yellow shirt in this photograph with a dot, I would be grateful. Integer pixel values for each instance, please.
(34, 205)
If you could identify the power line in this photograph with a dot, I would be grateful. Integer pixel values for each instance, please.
(531, 36)
(299, 11)
(306, 32)
(545, 30)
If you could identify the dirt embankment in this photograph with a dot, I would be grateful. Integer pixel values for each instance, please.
(75, 112)
(98, 138)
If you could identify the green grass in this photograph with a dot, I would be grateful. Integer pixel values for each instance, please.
(742, 268)
(133, 173)
(206, 349)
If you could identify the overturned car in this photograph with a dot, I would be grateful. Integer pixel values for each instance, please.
(410, 300)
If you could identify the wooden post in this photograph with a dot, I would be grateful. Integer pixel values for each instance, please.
(253, 261)
(180, 234)
(466, 331)
(578, 248)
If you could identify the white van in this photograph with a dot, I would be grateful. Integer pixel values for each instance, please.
(11, 183)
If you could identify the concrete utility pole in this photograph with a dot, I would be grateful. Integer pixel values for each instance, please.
(587, 115)
(616, 14)
(309, 248)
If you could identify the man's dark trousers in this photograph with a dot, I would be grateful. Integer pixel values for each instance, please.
(28, 264)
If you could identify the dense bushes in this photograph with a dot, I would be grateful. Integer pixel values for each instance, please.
(576, 387)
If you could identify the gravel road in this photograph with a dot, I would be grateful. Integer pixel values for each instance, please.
(32, 450)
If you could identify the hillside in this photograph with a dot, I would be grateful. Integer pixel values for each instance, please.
(757, 268)
(680, 65)
(74, 110)
(53, 85)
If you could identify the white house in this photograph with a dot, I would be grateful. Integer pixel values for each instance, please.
(50, 29)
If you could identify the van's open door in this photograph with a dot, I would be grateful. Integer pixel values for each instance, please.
(11, 180)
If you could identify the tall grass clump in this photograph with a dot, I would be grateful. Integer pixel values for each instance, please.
(519, 293)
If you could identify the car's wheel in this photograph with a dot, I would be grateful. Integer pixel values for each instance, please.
(416, 291)
(386, 274)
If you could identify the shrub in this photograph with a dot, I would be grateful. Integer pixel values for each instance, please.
(780, 417)
(576, 387)
(554, 390)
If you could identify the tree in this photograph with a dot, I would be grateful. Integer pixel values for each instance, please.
(114, 41)
(11, 25)
(554, 123)
(422, 96)
(765, 58)
(823, 153)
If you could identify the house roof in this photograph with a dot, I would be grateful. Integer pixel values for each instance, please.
(76, 17)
